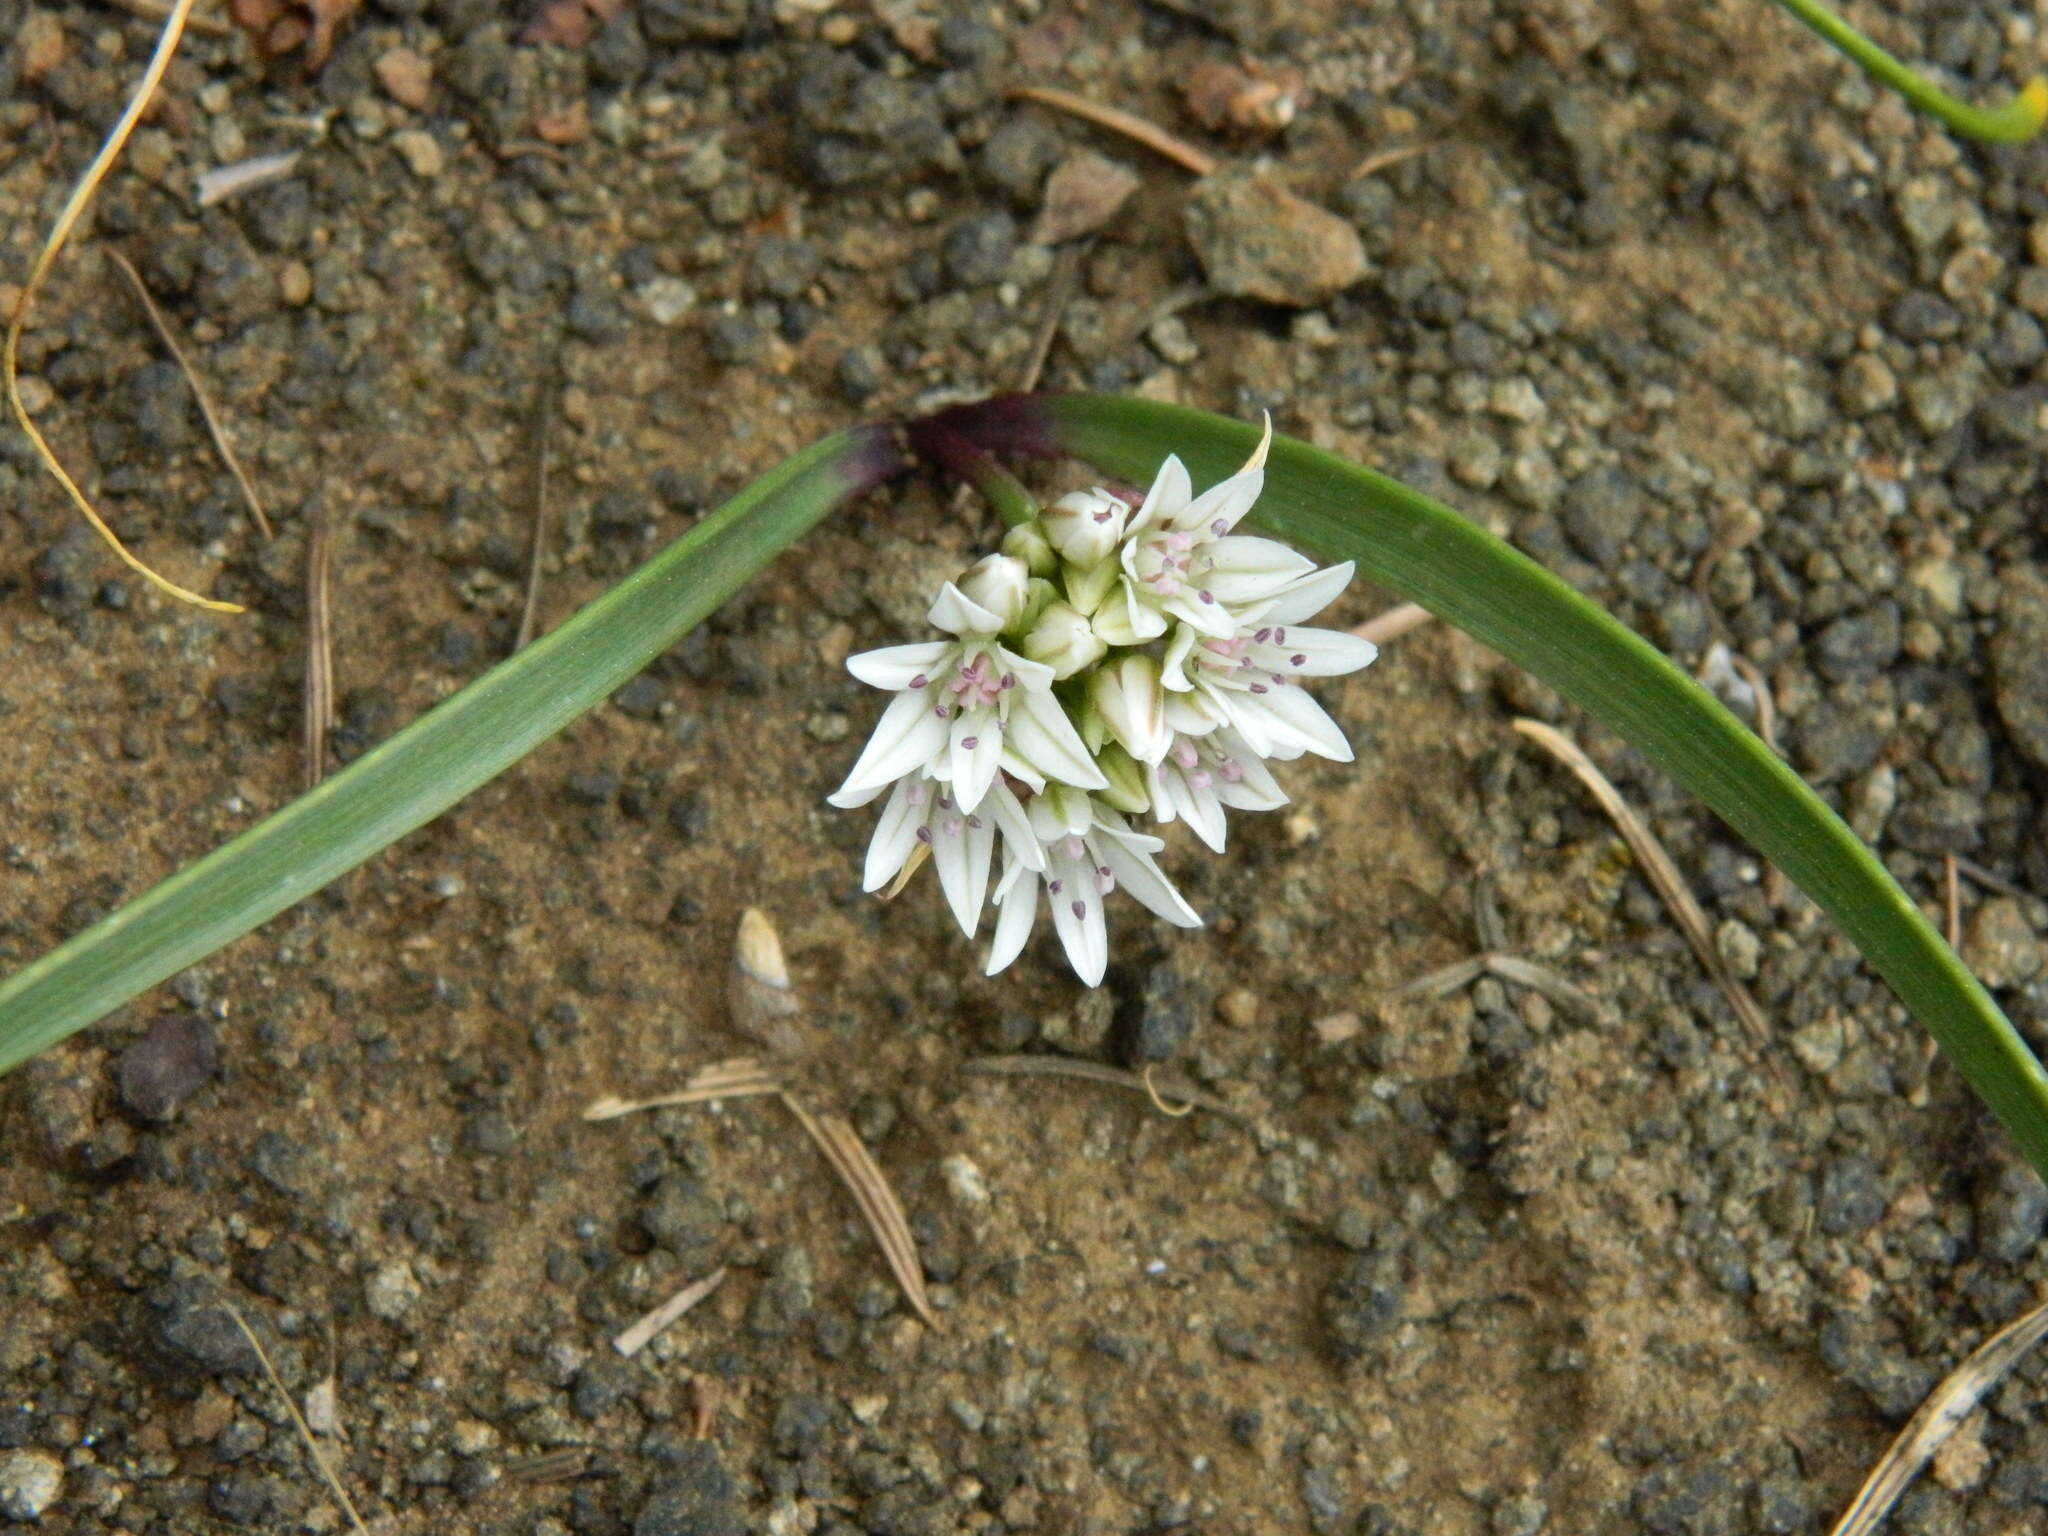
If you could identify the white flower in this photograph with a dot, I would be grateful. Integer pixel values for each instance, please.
(964, 708)
(1200, 775)
(998, 584)
(1250, 682)
(1127, 696)
(1181, 561)
(1063, 640)
(921, 814)
(1087, 851)
(1085, 526)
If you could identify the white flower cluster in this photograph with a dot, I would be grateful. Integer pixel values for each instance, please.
(1109, 663)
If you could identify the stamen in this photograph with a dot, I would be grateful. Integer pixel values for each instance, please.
(1081, 909)
(1055, 886)
(970, 742)
(1297, 661)
(1075, 847)
(1279, 637)
(919, 681)
(924, 835)
(953, 825)
(1258, 687)
(1184, 753)
(1199, 779)
(974, 822)
(915, 795)
(1105, 881)
(1208, 597)
(942, 712)
(1231, 770)
(1220, 527)
(1264, 635)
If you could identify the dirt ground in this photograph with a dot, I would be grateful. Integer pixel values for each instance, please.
(1664, 292)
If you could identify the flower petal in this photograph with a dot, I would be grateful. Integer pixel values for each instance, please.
(1019, 841)
(1138, 875)
(1077, 917)
(1246, 569)
(1016, 913)
(1029, 674)
(1303, 718)
(961, 847)
(1039, 731)
(1302, 599)
(974, 752)
(908, 736)
(895, 835)
(1164, 503)
(1317, 652)
(1203, 610)
(894, 666)
(958, 614)
(1226, 501)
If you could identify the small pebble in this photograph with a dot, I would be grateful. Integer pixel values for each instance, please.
(421, 152)
(29, 1483)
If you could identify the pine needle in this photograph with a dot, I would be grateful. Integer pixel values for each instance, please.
(74, 209)
(298, 1421)
(1662, 873)
(1151, 135)
(199, 392)
(637, 1337)
(742, 1077)
(878, 1204)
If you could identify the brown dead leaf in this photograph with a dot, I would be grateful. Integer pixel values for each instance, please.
(1084, 192)
(407, 78)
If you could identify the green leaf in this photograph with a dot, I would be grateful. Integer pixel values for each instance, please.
(456, 747)
(1429, 554)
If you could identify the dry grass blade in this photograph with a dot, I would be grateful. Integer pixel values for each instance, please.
(1095, 1072)
(742, 1077)
(537, 538)
(637, 1337)
(298, 1421)
(1991, 880)
(1662, 873)
(1385, 159)
(1153, 137)
(226, 181)
(319, 701)
(10, 354)
(877, 1201)
(1766, 710)
(214, 428)
(1938, 1418)
(1394, 623)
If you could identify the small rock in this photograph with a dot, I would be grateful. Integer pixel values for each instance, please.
(667, 299)
(1259, 241)
(1865, 385)
(1601, 511)
(693, 1496)
(421, 152)
(2001, 946)
(2019, 665)
(1156, 1023)
(193, 1328)
(163, 1069)
(29, 1483)
(977, 250)
(964, 1179)
(784, 1300)
(2012, 1211)
(407, 78)
(392, 1292)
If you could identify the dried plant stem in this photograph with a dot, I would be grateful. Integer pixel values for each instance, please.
(1152, 136)
(1095, 1072)
(199, 392)
(637, 1337)
(157, 10)
(319, 700)
(742, 1077)
(74, 208)
(1394, 623)
(1066, 267)
(1662, 872)
(1938, 1418)
(298, 1421)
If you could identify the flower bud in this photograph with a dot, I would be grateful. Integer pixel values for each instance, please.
(1128, 697)
(1127, 790)
(1086, 588)
(1062, 640)
(1027, 542)
(1085, 526)
(997, 583)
